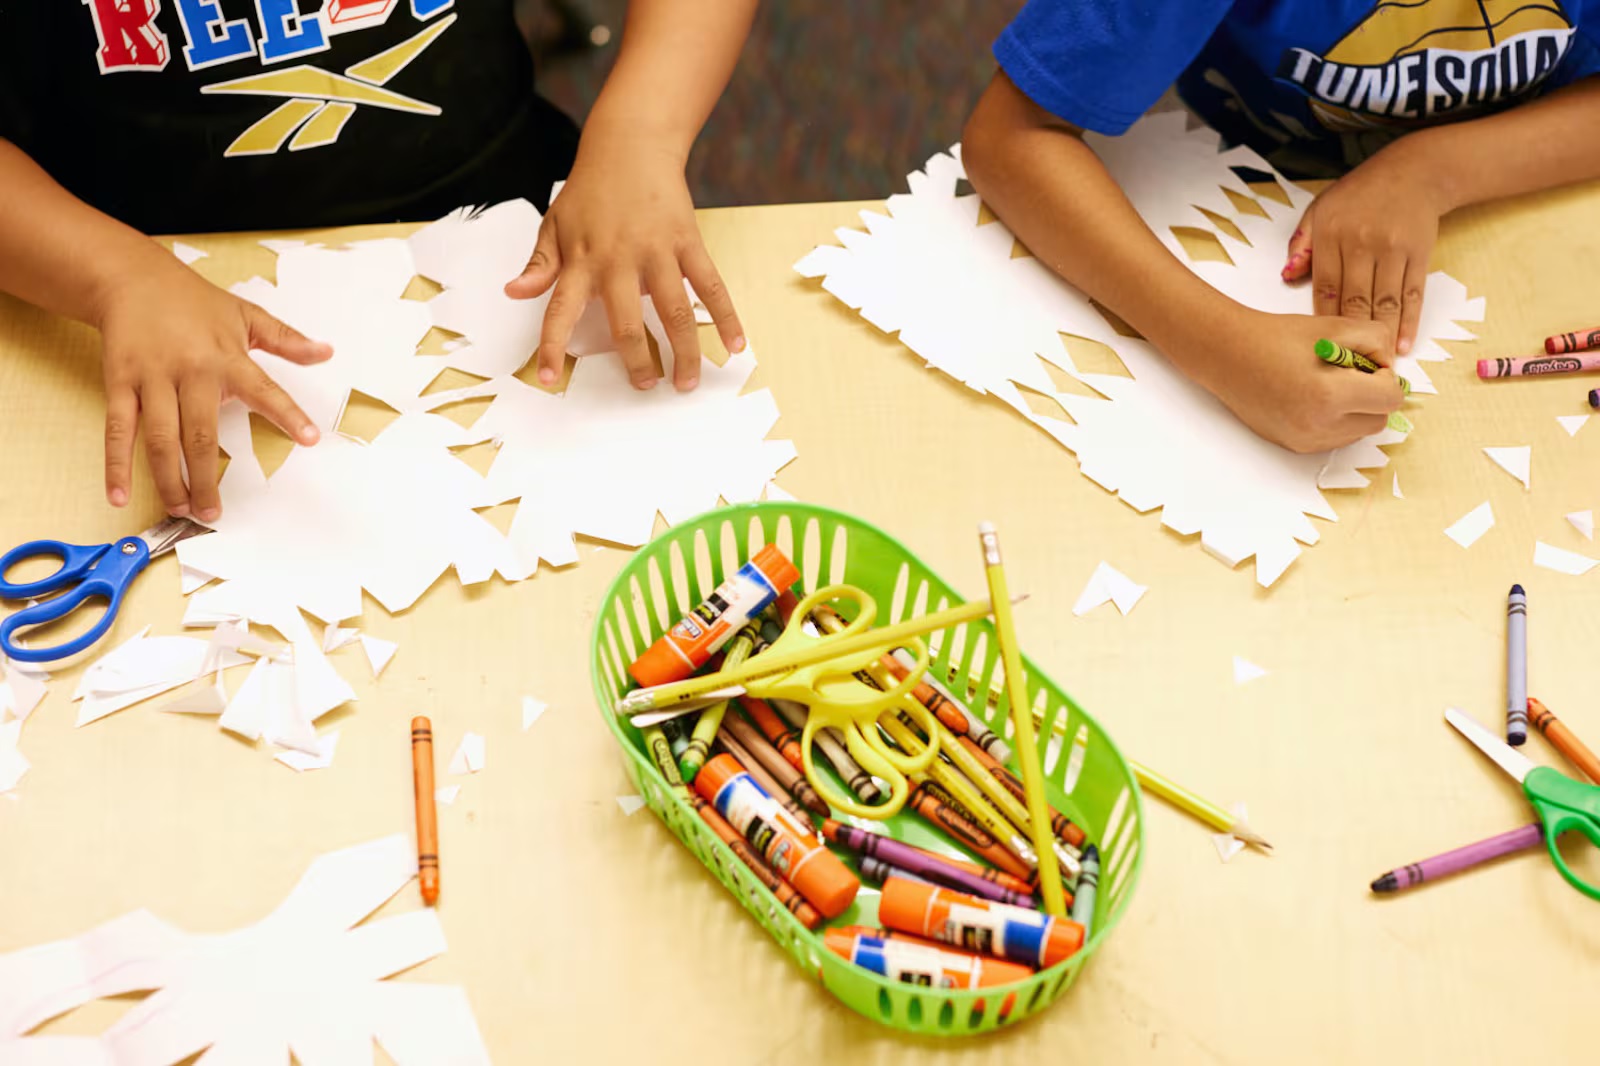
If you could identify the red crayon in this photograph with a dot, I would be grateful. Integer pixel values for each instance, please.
(778, 734)
(1580, 341)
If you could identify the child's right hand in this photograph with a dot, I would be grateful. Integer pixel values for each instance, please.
(1264, 368)
(174, 349)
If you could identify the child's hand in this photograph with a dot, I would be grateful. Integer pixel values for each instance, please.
(1365, 243)
(174, 350)
(624, 224)
(1264, 369)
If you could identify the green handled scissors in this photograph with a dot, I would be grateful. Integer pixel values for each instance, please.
(840, 699)
(1562, 803)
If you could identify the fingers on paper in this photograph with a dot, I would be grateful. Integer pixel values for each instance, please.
(266, 397)
(269, 334)
(703, 275)
(122, 421)
(560, 317)
(163, 443)
(626, 316)
(543, 265)
(665, 282)
(198, 399)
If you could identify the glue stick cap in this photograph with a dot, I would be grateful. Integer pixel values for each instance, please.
(715, 773)
(776, 565)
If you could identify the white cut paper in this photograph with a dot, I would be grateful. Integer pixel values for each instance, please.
(13, 764)
(1474, 524)
(468, 758)
(1227, 845)
(20, 690)
(630, 804)
(1397, 493)
(531, 710)
(309, 979)
(445, 795)
(958, 299)
(213, 699)
(336, 637)
(1515, 461)
(392, 515)
(776, 491)
(378, 652)
(1109, 585)
(1572, 423)
(187, 253)
(146, 667)
(1583, 522)
(1559, 559)
(193, 579)
(1245, 671)
(300, 761)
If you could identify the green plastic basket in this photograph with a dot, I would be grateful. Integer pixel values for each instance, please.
(1088, 779)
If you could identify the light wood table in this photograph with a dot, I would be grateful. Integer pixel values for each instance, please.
(586, 936)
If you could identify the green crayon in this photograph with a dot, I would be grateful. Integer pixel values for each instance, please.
(705, 730)
(655, 741)
(1335, 354)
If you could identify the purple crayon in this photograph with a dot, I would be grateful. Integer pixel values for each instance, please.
(1453, 862)
(880, 871)
(924, 865)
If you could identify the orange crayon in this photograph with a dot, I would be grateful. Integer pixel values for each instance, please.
(790, 847)
(968, 833)
(791, 899)
(427, 812)
(1060, 824)
(1564, 740)
(791, 780)
(689, 644)
(778, 734)
(950, 917)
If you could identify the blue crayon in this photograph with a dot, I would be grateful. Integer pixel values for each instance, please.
(1516, 667)
(1088, 878)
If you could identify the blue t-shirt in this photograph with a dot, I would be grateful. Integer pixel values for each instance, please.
(1315, 86)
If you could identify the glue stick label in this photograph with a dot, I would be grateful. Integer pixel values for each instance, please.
(737, 599)
(995, 932)
(916, 964)
(748, 808)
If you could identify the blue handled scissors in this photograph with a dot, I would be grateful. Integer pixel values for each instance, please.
(87, 571)
(1561, 802)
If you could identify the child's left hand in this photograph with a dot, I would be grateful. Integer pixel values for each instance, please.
(623, 225)
(1365, 243)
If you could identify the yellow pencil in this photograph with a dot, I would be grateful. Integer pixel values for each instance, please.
(1027, 751)
(1202, 809)
(660, 697)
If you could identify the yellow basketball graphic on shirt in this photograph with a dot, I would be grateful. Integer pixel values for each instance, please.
(1412, 61)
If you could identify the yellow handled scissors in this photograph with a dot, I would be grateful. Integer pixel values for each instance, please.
(842, 700)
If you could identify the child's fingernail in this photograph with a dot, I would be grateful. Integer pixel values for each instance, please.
(645, 383)
(180, 511)
(688, 384)
(209, 514)
(547, 376)
(738, 345)
(308, 434)
(1404, 346)
(119, 497)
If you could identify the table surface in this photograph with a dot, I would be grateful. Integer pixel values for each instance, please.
(584, 935)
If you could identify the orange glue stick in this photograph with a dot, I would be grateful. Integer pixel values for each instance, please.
(792, 849)
(918, 962)
(1014, 933)
(687, 646)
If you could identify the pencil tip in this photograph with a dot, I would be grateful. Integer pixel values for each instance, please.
(1249, 836)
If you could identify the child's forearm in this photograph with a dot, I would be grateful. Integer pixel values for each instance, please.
(1538, 145)
(55, 250)
(1054, 193)
(676, 57)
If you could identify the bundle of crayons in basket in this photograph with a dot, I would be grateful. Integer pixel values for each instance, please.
(966, 922)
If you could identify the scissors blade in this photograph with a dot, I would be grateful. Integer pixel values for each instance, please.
(167, 533)
(1503, 754)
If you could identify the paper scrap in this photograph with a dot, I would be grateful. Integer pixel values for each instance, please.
(1572, 423)
(777, 492)
(20, 690)
(300, 761)
(1474, 524)
(335, 637)
(1559, 559)
(212, 699)
(192, 578)
(1515, 461)
(957, 297)
(1583, 522)
(187, 253)
(1109, 585)
(308, 980)
(445, 795)
(468, 758)
(146, 667)
(630, 804)
(1397, 493)
(13, 764)
(1227, 845)
(531, 710)
(1245, 671)
(379, 652)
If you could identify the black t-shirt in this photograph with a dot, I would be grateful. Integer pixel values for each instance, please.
(201, 115)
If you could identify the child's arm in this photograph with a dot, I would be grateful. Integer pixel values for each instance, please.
(1373, 230)
(1040, 178)
(174, 344)
(625, 223)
